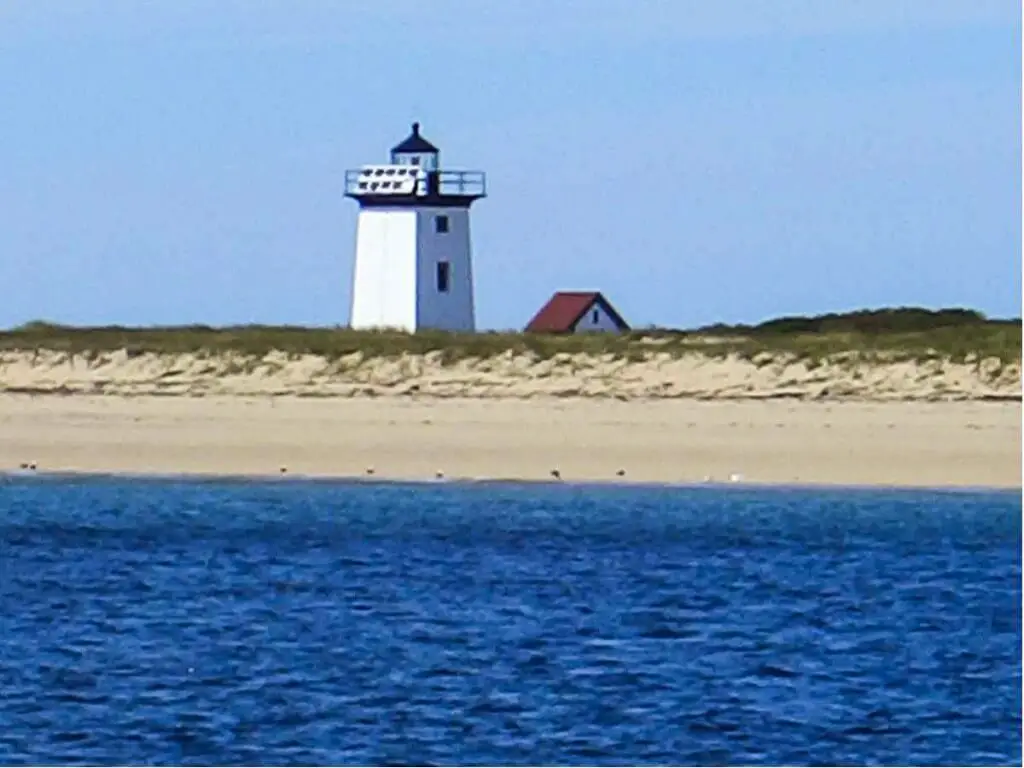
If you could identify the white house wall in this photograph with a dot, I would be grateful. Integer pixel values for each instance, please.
(595, 319)
(451, 311)
(384, 283)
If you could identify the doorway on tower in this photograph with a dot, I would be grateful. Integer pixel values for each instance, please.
(444, 276)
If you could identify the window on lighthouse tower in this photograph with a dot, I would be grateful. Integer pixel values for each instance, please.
(444, 275)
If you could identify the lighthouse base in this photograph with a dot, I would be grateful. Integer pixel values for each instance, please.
(413, 270)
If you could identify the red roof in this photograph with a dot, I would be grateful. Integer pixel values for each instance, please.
(565, 309)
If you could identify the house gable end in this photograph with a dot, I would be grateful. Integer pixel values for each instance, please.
(611, 312)
(598, 315)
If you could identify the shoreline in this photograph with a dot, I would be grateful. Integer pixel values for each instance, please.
(624, 484)
(678, 443)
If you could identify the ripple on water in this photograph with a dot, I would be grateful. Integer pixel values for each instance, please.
(316, 623)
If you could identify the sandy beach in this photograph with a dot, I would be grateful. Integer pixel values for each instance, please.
(679, 441)
(661, 419)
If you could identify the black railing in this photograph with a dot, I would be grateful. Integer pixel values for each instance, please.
(471, 183)
(460, 183)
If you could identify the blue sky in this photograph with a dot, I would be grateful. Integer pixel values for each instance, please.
(181, 161)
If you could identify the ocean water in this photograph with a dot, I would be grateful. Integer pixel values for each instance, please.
(296, 622)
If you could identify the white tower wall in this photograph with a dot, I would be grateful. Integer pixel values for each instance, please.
(384, 283)
(400, 255)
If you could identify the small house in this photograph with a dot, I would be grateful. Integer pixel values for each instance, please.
(577, 312)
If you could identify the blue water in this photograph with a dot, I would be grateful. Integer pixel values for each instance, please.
(295, 622)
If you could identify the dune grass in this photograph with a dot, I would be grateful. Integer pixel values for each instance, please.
(890, 334)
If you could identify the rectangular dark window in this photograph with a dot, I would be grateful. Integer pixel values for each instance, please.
(444, 276)
(440, 224)
(596, 317)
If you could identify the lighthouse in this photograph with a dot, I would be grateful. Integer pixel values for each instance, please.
(413, 262)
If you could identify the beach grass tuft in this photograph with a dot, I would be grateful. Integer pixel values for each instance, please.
(886, 335)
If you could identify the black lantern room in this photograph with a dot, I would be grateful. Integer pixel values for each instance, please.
(416, 150)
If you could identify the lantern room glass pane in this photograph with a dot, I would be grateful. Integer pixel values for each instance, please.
(425, 160)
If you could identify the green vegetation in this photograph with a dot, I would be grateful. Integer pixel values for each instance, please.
(892, 334)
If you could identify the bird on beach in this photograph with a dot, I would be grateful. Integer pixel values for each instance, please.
(556, 474)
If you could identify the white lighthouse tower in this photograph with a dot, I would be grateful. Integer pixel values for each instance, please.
(413, 267)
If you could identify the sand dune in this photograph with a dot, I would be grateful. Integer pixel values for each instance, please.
(509, 376)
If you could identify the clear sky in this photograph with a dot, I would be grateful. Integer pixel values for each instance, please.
(180, 161)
